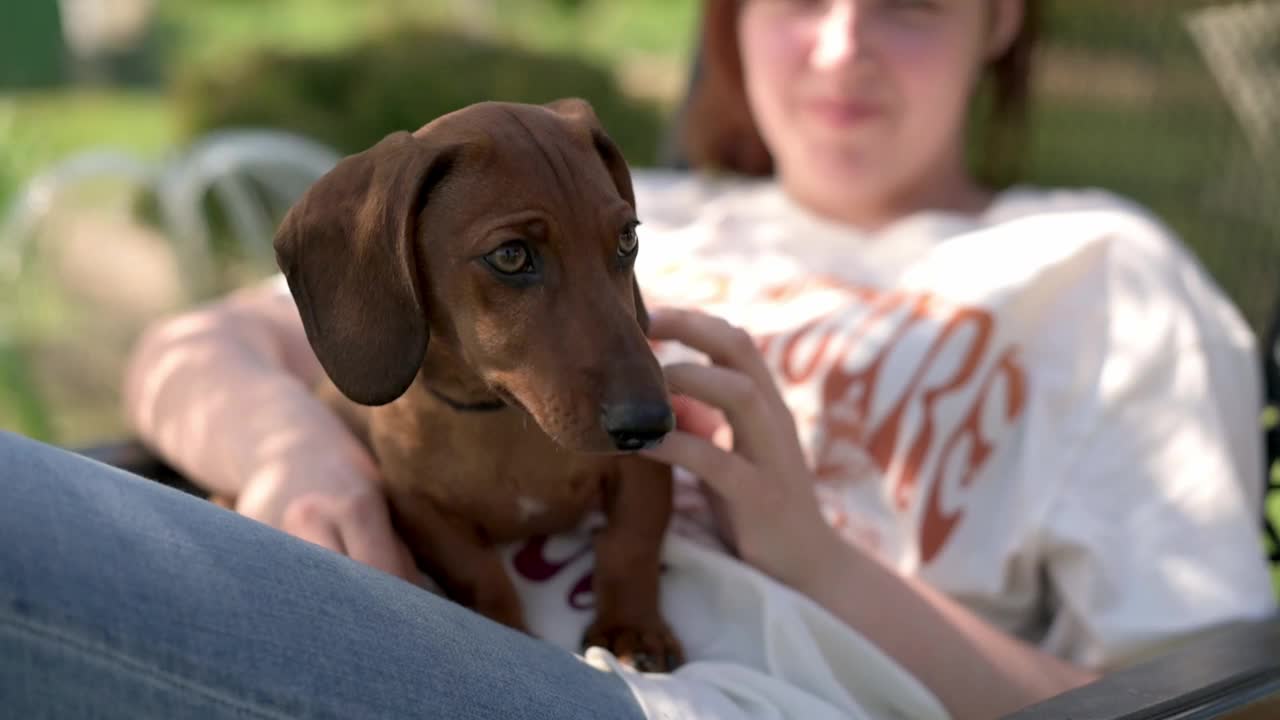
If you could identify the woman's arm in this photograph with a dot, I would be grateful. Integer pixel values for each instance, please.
(766, 497)
(224, 393)
(222, 389)
(975, 669)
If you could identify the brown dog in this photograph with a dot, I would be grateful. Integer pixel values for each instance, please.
(504, 234)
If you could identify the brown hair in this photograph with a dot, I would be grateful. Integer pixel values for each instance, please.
(716, 130)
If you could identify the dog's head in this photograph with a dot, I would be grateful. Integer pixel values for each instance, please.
(506, 232)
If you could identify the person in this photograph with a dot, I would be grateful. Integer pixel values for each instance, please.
(948, 445)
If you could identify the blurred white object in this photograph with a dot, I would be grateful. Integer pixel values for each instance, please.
(92, 27)
(478, 17)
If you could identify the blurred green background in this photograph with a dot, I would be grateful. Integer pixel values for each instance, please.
(1126, 100)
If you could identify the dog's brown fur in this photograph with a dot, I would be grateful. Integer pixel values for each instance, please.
(387, 251)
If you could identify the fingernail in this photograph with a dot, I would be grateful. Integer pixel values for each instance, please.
(652, 454)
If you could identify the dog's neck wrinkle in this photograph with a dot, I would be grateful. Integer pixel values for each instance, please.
(485, 406)
(445, 378)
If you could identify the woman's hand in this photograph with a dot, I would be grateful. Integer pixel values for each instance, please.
(767, 495)
(340, 508)
(762, 487)
(224, 393)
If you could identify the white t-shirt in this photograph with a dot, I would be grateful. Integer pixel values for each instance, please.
(1049, 412)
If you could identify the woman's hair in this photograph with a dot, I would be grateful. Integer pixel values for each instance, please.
(716, 130)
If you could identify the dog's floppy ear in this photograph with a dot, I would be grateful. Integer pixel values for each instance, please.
(347, 249)
(580, 111)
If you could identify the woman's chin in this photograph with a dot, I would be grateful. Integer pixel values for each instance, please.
(846, 175)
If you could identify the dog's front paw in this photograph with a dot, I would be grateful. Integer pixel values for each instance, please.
(647, 646)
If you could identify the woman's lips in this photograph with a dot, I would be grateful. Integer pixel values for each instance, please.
(842, 113)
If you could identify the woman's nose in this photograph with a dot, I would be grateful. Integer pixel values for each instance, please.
(837, 34)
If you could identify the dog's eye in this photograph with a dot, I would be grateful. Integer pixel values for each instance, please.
(628, 241)
(510, 259)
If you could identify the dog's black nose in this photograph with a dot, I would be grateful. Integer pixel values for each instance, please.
(636, 426)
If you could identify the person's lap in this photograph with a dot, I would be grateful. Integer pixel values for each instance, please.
(122, 598)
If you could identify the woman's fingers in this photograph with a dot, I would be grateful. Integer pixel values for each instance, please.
(725, 472)
(724, 344)
(366, 533)
(308, 519)
(356, 525)
(696, 417)
(755, 420)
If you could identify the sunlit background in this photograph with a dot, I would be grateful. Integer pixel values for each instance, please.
(148, 146)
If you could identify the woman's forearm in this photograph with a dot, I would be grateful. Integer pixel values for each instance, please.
(976, 670)
(224, 391)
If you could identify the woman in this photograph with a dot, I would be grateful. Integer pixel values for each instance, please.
(993, 442)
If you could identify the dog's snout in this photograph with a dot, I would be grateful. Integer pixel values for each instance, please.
(636, 426)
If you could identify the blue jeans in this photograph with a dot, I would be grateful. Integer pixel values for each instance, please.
(121, 598)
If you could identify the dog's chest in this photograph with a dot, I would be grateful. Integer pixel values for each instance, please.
(496, 472)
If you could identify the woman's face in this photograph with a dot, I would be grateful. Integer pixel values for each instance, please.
(863, 103)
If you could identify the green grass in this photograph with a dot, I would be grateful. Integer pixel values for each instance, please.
(48, 125)
(600, 30)
(205, 31)
(604, 31)
(1109, 27)
(21, 406)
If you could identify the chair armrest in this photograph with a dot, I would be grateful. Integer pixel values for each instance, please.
(1229, 672)
(134, 457)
